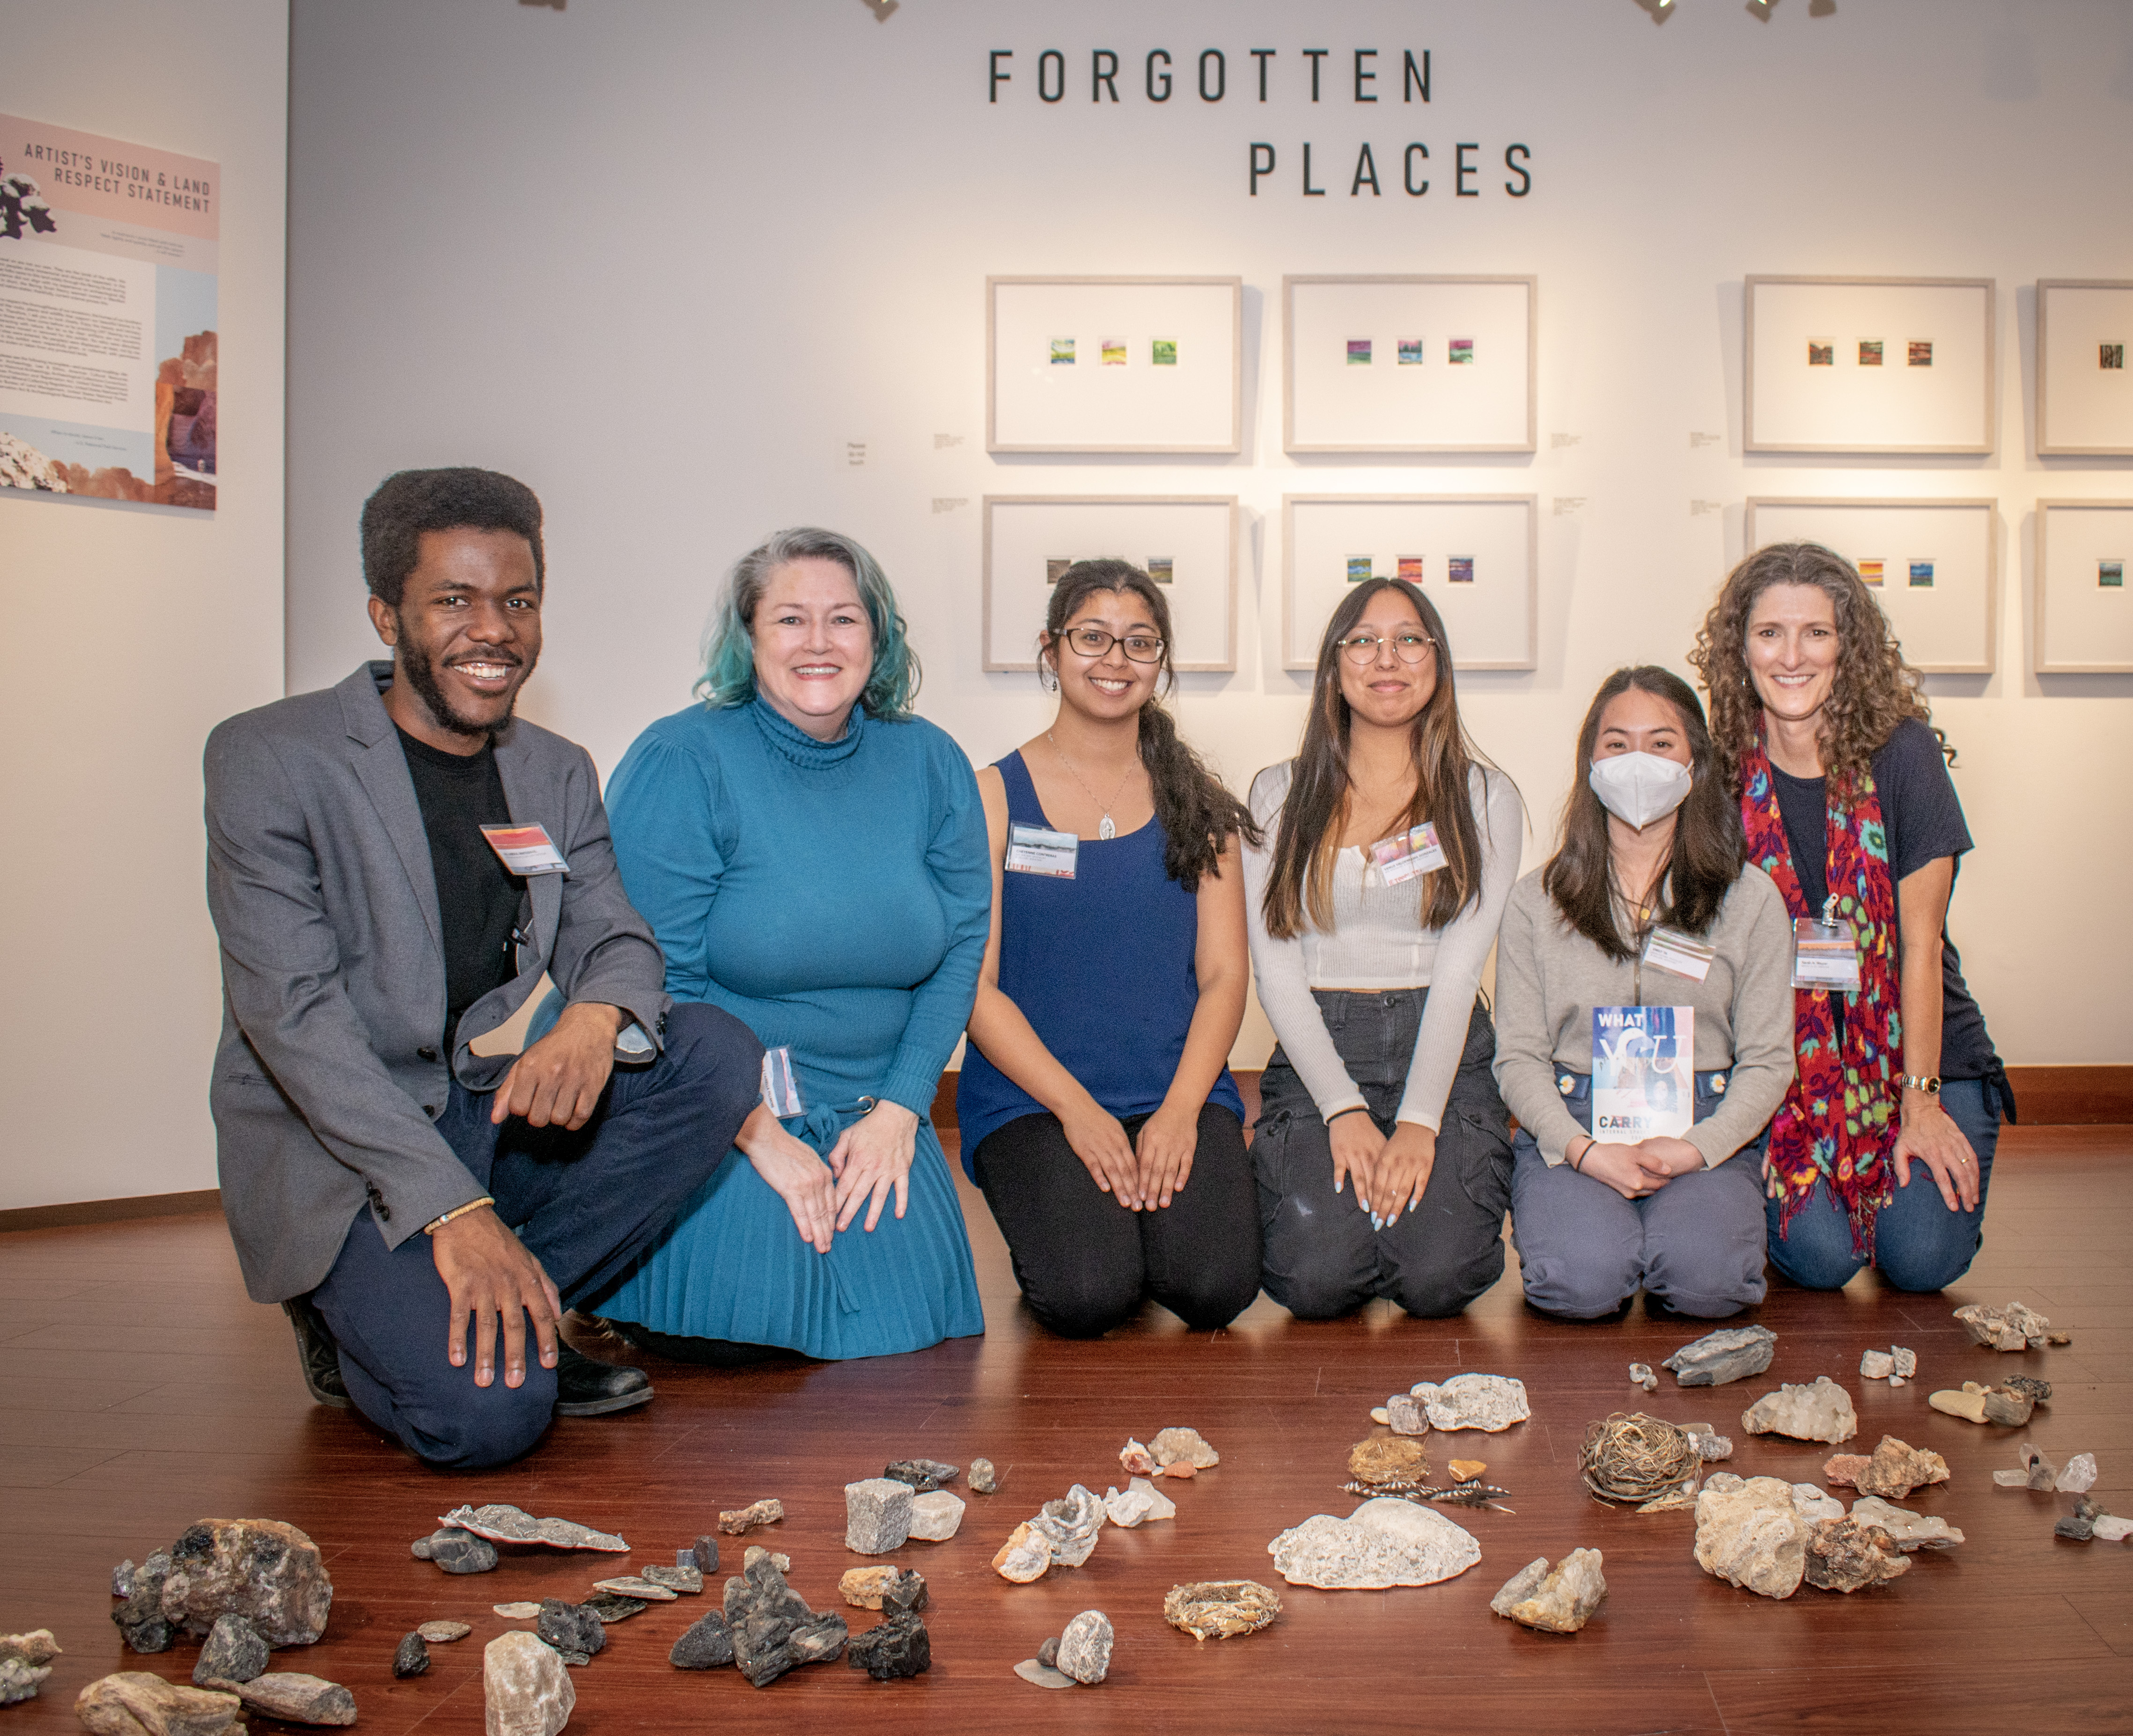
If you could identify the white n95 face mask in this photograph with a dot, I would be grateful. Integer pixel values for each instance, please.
(1639, 788)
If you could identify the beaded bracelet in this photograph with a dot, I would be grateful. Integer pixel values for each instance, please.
(435, 1225)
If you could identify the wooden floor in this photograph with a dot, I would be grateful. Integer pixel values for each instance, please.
(144, 1391)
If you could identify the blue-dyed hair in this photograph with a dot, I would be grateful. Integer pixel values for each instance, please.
(729, 676)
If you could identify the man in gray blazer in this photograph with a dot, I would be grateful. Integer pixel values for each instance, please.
(393, 864)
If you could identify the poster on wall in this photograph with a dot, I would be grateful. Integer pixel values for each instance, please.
(1188, 543)
(1933, 565)
(1476, 557)
(1114, 364)
(108, 326)
(2084, 611)
(1408, 364)
(2084, 401)
(1868, 364)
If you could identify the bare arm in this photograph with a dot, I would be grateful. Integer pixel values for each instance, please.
(1221, 963)
(1930, 1134)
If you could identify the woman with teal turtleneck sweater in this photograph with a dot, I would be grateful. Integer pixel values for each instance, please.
(812, 859)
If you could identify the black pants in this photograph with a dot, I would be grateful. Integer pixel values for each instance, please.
(1323, 1257)
(1086, 1263)
(585, 1204)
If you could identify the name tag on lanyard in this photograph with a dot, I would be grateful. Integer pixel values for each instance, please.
(1825, 955)
(1407, 857)
(526, 849)
(1668, 948)
(1032, 850)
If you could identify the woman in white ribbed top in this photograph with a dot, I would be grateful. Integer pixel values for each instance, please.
(1383, 1149)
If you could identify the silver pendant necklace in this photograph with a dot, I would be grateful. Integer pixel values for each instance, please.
(1104, 827)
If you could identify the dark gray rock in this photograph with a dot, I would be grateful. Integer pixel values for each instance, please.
(704, 1555)
(234, 1651)
(2075, 1527)
(296, 1698)
(708, 1645)
(1048, 1654)
(984, 1480)
(1718, 1358)
(576, 1660)
(608, 1606)
(924, 1475)
(413, 1657)
(899, 1647)
(268, 1572)
(140, 1619)
(455, 1551)
(773, 1629)
(571, 1627)
(122, 1579)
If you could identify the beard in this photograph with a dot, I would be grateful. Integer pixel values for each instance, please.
(418, 662)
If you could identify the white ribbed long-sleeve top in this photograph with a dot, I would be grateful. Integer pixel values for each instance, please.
(1377, 941)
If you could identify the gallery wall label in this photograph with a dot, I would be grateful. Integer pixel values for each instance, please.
(109, 328)
(1371, 81)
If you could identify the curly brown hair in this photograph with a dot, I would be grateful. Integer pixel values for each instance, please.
(1874, 690)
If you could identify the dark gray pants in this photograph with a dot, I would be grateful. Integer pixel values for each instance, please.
(1323, 1257)
(1697, 1244)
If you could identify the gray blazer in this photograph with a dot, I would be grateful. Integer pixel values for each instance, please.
(328, 1079)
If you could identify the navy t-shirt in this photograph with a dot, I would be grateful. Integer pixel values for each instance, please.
(1922, 821)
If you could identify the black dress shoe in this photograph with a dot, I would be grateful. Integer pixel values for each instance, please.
(317, 1354)
(586, 1388)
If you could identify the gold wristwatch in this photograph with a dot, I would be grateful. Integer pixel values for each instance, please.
(1931, 1087)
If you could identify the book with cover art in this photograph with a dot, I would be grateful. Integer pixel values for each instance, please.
(1644, 1072)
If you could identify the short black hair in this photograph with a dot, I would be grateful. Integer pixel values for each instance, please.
(409, 502)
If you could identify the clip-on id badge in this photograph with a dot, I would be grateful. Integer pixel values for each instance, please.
(1668, 948)
(526, 849)
(1032, 850)
(1409, 857)
(1825, 953)
(781, 1090)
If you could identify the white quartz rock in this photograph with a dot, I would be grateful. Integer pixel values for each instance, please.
(525, 1688)
(1907, 1530)
(2112, 1529)
(1816, 1503)
(1751, 1533)
(1384, 1542)
(934, 1515)
(1485, 1401)
(1822, 1411)
(1877, 1365)
(2078, 1475)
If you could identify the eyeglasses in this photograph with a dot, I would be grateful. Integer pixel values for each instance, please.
(1362, 648)
(1093, 642)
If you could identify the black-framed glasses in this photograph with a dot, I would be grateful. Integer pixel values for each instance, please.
(1093, 642)
(1361, 649)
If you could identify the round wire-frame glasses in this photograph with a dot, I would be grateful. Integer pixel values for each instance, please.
(1361, 649)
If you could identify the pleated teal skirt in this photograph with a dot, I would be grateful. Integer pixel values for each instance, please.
(733, 1267)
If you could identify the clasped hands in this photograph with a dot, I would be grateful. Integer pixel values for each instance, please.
(1637, 1172)
(871, 1158)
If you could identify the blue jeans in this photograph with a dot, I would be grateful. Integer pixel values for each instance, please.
(1697, 1244)
(1918, 1243)
(585, 1204)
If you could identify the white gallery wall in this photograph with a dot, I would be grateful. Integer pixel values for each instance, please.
(130, 630)
(673, 263)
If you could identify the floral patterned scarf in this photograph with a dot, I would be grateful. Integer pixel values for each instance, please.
(1839, 1121)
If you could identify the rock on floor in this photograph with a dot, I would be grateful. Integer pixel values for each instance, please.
(936, 1517)
(1557, 1599)
(883, 1588)
(2011, 1328)
(1485, 1401)
(924, 1475)
(1750, 1533)
(296, 1698)
(410, 1658)
(20, 1681)
(455, 1551)
(502, 1524)
(1843, 1555)
(1070, 1525)
(234, 1651)
(1897, 1467)
(571, 1627)
(2078, 1475)
(681, 1577)
(707, 1644)
(877, 1515)
(985, 1479)
(899, 1647)
(738, 1522)
(443, 1634)
(1025, 1557)
(1085, 1648)
(268, 1572)
(1384, 1542)
(705, 1555)
(774, 1630)
(1718, 1358)
(1170, 1445)
(1221, 1608)
(526, 1690)
(1042, 1675)
(133, 1703)
(1812, 1503)
(140, 1619)
(1907, 1530)
(35, 1648)
(1822, 1411)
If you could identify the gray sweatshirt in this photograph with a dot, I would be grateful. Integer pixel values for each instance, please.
(1549, 977)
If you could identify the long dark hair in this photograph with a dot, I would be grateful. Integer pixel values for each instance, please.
(1874, 690)
(1197, 812)
(1300, 882)
(1707, 841)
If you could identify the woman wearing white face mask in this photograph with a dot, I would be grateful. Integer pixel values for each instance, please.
(1644, 913)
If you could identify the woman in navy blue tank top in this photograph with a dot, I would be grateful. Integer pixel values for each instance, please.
(1095, 1104)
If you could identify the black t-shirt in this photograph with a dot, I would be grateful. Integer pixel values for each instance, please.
(477, 896)
(1921, 821)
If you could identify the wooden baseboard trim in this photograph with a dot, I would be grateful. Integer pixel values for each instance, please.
(111, 1211)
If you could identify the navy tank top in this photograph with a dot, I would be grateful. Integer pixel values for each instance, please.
(1101, 966)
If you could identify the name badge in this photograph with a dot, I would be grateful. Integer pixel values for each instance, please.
(1825, 955)
(526, 849)
(1669, 948)
(1409, 857)
(1032, 850)
(781, 1090)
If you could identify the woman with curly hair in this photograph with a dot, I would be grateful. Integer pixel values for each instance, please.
(1882, 1151)
(1097, 1110)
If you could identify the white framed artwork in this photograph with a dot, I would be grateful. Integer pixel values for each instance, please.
(2084, 621)
(1933, 565)
(2084, 391)
(1868, 364)
(1114, 365)
(1474, 556)
(1408, 363)
(1186, 542)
